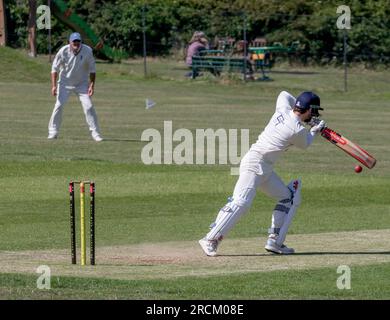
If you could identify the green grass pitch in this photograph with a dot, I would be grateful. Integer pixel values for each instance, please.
(150, 217)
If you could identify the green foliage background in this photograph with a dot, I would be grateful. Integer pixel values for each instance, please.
(170, 24)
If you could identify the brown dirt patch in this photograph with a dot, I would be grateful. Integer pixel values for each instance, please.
(185, 258)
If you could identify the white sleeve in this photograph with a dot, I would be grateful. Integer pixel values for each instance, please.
(285, 102)
(55, 67)
(302, 139)
(92, 67)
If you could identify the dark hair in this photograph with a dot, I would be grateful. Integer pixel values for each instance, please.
(301, 111)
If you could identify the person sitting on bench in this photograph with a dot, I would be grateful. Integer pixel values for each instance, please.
(197, 43)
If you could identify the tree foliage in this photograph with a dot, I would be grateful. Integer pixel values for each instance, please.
(170, 24)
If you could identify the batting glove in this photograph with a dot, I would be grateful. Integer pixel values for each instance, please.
(318, 127)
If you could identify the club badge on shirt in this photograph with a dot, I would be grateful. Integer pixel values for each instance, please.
(279, 119)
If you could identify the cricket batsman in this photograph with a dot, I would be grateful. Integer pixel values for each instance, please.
(73, 71)
(285, 129)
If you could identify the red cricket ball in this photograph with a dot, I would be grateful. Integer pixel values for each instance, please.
(358, 169)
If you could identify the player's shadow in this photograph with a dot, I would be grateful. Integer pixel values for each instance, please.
(308, 254)
(122, 140)
(341, 253)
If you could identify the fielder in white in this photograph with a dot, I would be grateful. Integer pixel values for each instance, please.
(74, 68)
(285, 129)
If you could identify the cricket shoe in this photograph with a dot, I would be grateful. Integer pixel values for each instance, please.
(97, 138)
(272, 246)
(209, 246)
(52, 136)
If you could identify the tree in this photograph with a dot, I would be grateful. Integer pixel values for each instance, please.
(3, 30)
(32, 30)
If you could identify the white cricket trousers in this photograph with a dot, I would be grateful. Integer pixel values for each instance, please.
(254, 175)
(63, 94)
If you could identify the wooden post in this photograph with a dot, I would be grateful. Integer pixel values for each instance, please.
(3, 25)
(245, 52)
(345, 60)
(49, 33)
(32, 31)
(144, 39)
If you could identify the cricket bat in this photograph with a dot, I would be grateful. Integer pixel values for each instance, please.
(349, 147)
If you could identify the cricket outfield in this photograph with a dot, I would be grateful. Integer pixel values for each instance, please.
(150, 217)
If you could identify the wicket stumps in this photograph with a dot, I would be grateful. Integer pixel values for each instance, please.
(83, 247)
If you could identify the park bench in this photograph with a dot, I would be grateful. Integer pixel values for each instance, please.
(267, 53)
(218, 64)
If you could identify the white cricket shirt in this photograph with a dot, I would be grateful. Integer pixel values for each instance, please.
(74, 69)
(283, 130)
